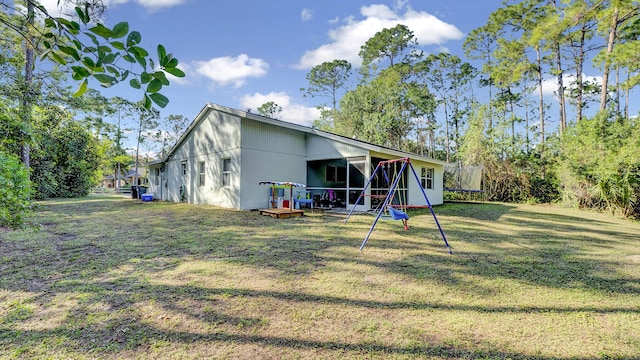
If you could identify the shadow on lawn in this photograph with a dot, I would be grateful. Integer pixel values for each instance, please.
(538, 248)
(363, 349)
(132, 333)
(64, 263)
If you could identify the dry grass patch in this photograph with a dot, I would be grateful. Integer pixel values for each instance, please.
(108, 277)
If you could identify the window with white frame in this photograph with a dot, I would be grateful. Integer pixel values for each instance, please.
(226, 172)
(184, 168)
(157, 173)
(426, 178)
(201, 173)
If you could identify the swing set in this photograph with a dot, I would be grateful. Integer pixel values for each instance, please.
(394, 204)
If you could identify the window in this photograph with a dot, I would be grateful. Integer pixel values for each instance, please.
(184, 168)
(426, 178)
(201, 174)
(226, 172)
(157, 173)
(336, 173)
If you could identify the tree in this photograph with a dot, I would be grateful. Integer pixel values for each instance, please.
(65, 157)
(374, 111)
(423, 108)
(581, 15)
(15, 192)
(121, 109)
(326, 80)
(388, 44)
(83, 47)
(514, 63)
(599, 165)
(147, 121)
(270, 109)
(481, 44)
(95, 52)
(378, 109)
(449, 78)
(171, 128)
(611, 18)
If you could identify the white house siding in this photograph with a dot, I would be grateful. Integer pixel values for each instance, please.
(319, 148)
(435, 194)
(269, 152)
(261, 149)
(214, 138)
(415, 197)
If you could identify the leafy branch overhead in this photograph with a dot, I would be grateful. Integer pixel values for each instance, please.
(101, 56)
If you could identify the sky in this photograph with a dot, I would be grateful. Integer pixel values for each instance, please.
(242, 54)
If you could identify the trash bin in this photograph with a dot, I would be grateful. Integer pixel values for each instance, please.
(141, 190)
(134, 192)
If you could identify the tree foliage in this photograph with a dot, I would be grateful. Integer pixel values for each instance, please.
(99, 52)
(41, 52)
(600, 165)
(15, 192)
(65, 160)
(412, 102)
(270, 109)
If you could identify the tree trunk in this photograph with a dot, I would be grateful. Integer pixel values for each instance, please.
(541, 96)
(446, 127)
(605, 71)
(579, 67)
(25, 149)
(618, 113)
(561, 100)
(626, 98)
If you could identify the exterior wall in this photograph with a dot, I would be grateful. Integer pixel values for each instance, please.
(269, 152)
(416, 198)
(214, 138)
(155, 189)
(319, 148)
(435, 195)
(257, 151)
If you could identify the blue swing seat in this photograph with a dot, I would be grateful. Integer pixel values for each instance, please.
(397, 214)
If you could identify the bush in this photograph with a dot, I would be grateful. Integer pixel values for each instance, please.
(599, 165)
(15, 192)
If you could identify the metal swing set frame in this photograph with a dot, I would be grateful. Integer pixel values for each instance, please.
(396, 214)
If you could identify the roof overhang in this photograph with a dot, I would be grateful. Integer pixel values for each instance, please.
(288, 125)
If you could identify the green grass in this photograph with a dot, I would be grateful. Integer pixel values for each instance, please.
(109, 277)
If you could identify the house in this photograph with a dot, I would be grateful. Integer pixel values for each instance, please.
(140, 176)
(110, 182)
(225, 153)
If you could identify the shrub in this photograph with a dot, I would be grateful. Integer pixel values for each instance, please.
(15, 192)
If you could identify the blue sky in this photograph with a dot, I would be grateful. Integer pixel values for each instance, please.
(242, 54)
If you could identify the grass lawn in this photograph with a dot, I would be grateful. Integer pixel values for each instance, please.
(109, 277)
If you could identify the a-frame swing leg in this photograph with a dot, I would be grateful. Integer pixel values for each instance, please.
(444, 238)
(387, 199)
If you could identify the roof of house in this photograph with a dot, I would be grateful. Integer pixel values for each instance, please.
(132, 173)
(306, 129)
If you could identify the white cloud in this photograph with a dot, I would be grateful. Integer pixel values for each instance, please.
(152, 5)
(306, 15)
(231, 70)
(550, 86)
(345, 40)
(291, 112)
